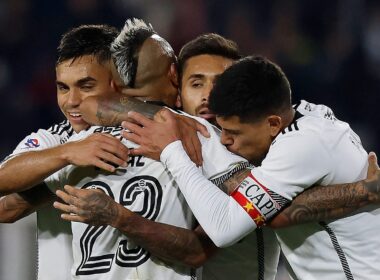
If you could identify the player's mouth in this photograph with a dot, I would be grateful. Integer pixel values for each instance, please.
(206, 113)
(75, 116)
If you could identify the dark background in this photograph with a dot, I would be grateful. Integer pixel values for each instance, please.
(330, 51)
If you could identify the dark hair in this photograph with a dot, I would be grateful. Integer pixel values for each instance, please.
(87, 40)
(210, 43)
(252, 88)
(126, 46)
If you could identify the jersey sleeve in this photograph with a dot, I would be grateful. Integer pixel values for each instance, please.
(222, 218)
(36, 141)
(293, 163)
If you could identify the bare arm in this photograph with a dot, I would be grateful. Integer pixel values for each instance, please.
(111, 111)
(31, 168)
(14, 207)
(170, 243)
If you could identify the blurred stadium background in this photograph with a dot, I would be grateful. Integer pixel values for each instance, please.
(330, 51)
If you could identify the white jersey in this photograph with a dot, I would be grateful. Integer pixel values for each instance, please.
(255, 257)
(53, 234)
(316, 148)
(147, 188)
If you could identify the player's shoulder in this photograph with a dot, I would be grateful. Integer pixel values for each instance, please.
(311, 119)
(44, 138)
(320, 111)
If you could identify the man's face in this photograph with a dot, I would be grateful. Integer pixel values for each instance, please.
(249, 140)
(198, 80)
(77, 80)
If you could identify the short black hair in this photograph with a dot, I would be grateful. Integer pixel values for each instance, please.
(87, 40)
(209, 43)
(252, 88)
(126, 46)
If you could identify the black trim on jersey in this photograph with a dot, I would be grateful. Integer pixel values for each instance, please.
(338, 250)
(193, 274)
(62, 127)
(220, 180)
(295, 106)
(260, 254)
(293, 126)
(282, 201)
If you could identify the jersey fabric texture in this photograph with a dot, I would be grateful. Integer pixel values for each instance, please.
(317, 148)
(53, 234)
(145, 187)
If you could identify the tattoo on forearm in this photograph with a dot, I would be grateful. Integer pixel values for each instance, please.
(326, 202)
(170, 243)
(112, 112)
(234, 181)
(99, 210)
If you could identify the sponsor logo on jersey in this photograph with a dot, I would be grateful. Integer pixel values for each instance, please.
(32, 143)
(255, 199)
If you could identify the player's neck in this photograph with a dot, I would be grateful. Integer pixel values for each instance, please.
(287, 118)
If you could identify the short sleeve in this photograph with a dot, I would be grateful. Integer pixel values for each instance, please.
(42, 139)
(293, 163)
(37, 141)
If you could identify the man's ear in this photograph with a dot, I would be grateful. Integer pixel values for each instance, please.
(178, 102)
(275, 125)
(173, 75)
(115, 87)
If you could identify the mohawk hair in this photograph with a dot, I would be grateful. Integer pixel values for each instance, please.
(126, 46)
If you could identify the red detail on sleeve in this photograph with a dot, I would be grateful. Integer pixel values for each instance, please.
(249, 207)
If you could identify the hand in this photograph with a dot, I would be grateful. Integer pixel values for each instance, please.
(188, 129)
(99, 149)
(89, 206)
(168, 127)
(372, 183)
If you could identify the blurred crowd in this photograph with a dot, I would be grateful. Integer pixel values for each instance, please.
(330, 50)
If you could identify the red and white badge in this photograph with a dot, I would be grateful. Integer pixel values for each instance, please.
(256, 200)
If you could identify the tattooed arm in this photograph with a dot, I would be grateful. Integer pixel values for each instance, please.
(111, 111)
(170, 243)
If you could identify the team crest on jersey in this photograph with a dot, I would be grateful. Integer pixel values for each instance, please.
(256, 200)
(32, 143)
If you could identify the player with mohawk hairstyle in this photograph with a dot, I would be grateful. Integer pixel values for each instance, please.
(154, 237)
(133, 52)
(124, 53)
(102, 246)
